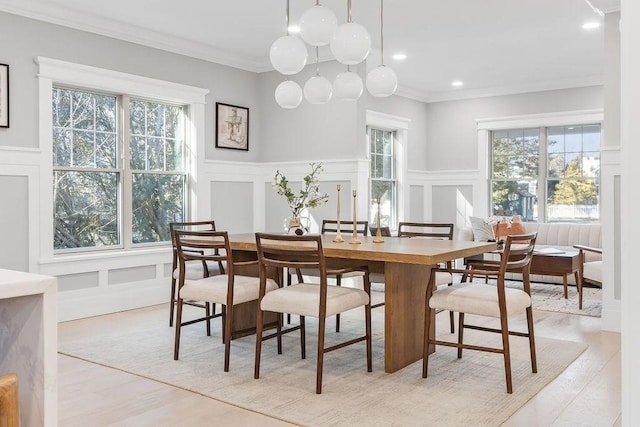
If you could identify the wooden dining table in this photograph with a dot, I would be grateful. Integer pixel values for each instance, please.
(406, 264)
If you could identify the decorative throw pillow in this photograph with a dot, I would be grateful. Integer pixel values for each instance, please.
(482, 229)
(510, 226)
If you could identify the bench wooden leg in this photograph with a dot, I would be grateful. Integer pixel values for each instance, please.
(579, 286)
(566, 286)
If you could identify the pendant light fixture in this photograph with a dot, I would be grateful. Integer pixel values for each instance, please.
(288, 54)
(382, 80)
(288, 94)
(317, 25)
(318, 89)
(351, 42)
(348, 85)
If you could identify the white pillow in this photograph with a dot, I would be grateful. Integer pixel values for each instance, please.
(482, 230)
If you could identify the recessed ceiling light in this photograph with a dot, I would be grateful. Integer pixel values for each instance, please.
(590, 25)
(400, 56)
(457, 83)
(294, 29)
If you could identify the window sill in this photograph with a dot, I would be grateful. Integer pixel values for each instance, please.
(104, 260)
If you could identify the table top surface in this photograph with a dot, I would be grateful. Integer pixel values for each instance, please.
(394, 249)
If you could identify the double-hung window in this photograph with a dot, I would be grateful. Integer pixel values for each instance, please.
(383, 181)
(119, 169)
(547, 174)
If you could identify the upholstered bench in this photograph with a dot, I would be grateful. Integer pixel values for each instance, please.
(561, 236)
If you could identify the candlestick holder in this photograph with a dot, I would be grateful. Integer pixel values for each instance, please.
(378, 238)
(355, 240)
(338, 238)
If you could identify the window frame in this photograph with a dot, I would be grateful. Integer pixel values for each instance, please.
(399, 125)
(394, 175)
(482, 188)
(82, 77)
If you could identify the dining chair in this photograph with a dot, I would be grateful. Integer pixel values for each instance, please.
(9, 401)
(432, 231)
(195, 269)
(226, 289)
(307, 299)
(330, 227)
(487, 300)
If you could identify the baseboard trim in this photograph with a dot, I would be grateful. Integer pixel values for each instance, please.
(611, 320)
(74, 305)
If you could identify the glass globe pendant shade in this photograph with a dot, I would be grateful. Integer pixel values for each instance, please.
(382, 81)
(350, 43)
(317, 25)
(317, 90)
(288, 94)
(288, 55)
(348, 86)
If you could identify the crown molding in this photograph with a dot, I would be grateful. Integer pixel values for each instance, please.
(129, 33)
(499, 91)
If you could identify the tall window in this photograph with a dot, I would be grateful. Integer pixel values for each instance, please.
(102, 200)
(383, 181)
(547, 174)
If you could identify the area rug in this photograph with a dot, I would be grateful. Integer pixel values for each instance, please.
(550, 297)
(458, 392)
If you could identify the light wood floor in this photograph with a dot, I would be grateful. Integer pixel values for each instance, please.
(587, 393)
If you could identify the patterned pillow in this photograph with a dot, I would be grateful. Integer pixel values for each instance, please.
(482, 229)
(505, 229)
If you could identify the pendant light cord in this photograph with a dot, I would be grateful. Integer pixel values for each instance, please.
(381, 32)
(287, 18)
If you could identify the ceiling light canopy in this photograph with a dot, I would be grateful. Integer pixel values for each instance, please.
(350, 44)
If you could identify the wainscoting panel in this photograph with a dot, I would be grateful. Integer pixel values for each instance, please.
(74, 282)
(232, 206)
(416, 203)
(14, 253)
(452, 204)
(119, 276)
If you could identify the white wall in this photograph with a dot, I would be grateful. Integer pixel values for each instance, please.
(609, 176)
(417, 113)
(451, 126)
(23, 39)
(630, 113)
(309, 132)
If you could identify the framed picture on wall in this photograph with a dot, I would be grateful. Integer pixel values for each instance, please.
(232, 127)
(4, 96)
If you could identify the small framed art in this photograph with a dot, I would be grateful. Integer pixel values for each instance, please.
(232, 127)
(4, 96)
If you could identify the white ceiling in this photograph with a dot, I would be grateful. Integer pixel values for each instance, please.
(494, 46)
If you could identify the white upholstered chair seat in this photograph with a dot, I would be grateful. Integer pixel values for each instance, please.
(214, 289)
(593, 271)
(304, 299)
(480, 299)
(195, 271)
(443, 278)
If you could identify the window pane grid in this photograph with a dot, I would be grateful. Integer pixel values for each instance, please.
(382, 178)
(571, 182)
(89, 185)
